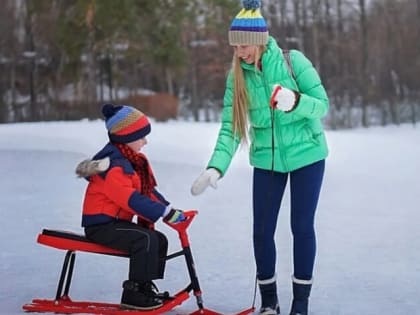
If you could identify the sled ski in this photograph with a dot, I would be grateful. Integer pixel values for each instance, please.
(72, 242)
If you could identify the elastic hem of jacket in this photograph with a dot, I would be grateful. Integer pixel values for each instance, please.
(297, 98)
(89, 220)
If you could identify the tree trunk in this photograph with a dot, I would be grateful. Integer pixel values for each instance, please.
(194, 94)
(395, 113)
(12, 104)
(297, 4)
(315, 5)
(107, 64)
(169, 81)
(418, 20)
(363, 63)
(90, 75)
(31, 55)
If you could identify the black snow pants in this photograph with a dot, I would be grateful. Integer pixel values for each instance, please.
(147, 248)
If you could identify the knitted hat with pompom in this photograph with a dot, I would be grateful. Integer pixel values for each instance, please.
(125, 123)
(249, 27)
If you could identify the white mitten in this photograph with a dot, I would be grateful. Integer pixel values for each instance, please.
(207, 178)
(282, 98)
(92, 167)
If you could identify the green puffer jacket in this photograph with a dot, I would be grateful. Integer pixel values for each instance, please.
(298, 136)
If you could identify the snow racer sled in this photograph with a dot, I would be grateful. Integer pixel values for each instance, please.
(72, 243)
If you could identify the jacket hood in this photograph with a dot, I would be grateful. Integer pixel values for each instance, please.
(116, 157)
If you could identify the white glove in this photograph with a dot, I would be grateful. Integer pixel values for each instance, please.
(282, 98)
(206, 178)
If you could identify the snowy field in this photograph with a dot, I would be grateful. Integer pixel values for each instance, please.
(368, 259)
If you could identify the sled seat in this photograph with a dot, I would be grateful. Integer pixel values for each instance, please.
(71, 241)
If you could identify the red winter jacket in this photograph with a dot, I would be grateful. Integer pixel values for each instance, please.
(115, 194)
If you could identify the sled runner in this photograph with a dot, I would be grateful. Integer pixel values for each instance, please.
(72, 243)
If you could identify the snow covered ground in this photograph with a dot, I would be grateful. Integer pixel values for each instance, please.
(368, 259)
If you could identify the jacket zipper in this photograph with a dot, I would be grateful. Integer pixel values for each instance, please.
(272, 129)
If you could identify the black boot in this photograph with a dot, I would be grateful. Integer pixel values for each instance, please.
(139, 295)
(269, 300)
(155, 291)
(301, 292)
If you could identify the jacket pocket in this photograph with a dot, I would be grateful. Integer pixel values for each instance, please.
(260, 117)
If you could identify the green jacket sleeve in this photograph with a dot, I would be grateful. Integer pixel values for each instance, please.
(313, 102)
(227, 143)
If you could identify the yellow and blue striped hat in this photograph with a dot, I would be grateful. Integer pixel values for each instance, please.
(249, 26)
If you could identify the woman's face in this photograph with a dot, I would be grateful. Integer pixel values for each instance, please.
(138, 144)
(246, 53)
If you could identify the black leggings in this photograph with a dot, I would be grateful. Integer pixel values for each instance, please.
(147, 248)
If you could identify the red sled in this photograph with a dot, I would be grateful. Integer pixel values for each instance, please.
(72, 242)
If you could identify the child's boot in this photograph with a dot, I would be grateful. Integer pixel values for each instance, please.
(155, 291)
(139, 295)
(301, 292)
(269, 300)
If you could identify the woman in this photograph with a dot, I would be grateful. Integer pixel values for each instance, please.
(287, 142)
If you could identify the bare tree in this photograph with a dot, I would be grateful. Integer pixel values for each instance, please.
(297, 10)
(363, 62)
(89, 81)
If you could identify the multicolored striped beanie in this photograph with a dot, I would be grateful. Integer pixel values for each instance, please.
(249, 27)
(124, 123)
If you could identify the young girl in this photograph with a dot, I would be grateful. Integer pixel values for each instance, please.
(122, 187)
(287, 142)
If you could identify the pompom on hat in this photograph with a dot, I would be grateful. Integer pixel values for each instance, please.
(125, 123)
(249, 26)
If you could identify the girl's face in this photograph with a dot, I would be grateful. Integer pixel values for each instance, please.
(246, 53)
(138, 144)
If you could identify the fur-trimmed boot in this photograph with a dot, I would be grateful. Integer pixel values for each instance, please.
(139, 295)
(269, 300)
(301, 292)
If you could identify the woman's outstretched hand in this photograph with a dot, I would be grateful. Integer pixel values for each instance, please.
(207, 178)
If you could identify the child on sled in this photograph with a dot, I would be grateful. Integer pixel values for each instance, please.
(122, 190)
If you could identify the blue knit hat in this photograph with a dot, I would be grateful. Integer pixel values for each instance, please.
(249, 27)
(125, 123)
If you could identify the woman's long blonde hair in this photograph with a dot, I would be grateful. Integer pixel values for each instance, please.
(240, 96)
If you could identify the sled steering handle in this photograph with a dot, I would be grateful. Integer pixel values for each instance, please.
(181, 227)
